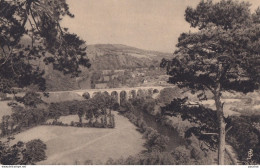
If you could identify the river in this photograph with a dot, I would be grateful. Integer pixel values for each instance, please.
(175, 139)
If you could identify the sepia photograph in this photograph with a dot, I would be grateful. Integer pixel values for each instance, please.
(129, 82)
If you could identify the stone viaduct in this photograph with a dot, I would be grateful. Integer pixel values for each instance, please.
(120, 93)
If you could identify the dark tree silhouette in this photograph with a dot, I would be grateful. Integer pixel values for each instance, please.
(31, 99)
(223, 55)
(30, 33)
(34, 152)
(80, 114)
(22, 153)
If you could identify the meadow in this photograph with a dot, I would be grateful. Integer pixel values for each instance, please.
(72, 145)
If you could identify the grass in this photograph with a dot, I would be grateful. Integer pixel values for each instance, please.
(67, 145)
(228, 106)
(4, 109)
(62, 96)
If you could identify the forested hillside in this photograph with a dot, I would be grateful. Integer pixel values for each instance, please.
(117, 56)
(103, 57)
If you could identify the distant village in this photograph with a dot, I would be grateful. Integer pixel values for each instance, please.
(152, 76)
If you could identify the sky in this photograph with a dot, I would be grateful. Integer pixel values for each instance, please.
(146, 24)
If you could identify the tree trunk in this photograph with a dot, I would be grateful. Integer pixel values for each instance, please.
(80, 120)
(231, 156)
(222, 125)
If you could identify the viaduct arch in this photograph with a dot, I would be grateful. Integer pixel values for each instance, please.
(120, 94)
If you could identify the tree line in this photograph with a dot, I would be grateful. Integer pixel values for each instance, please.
(96, 110)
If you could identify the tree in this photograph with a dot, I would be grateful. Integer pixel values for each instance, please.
(222, 55)
(86, 95)
(31, 99)
(34, 152)
(9, 155)
(110, 102)
(167, 94)
(203, 119)
(80, 113)
(98, 105)
(30, 33)
(95, 77)
(56, 110)
(21, 153)
(113, 83)
(5, 125)
(245, 137)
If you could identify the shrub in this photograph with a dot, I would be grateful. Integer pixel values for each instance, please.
(156, 141)
(98, 125)
(181, 155)
(22, 153)
(88, 162)
(244, 136)
(35, 151)
(146, 158)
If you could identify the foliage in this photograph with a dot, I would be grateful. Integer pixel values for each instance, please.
(176, 123)
(244, 136)
(102, 101)
(204, 118)
(181, 155)
(31, 99)
(214, 55)
(154, 140)
(144, 103)
(35, 152)
(95, 77)
(113, 83)
(22, 118)
(86, 95)
(21, 153)
(167, 94)
(92, 108)
(30, 32)
(147, 158)
(219, 57)
(65, 108)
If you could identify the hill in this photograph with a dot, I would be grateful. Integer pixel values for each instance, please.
(118, 56)
(102, 57)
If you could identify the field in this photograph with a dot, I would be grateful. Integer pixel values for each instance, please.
(61, 96)
(71, 145)
(4, 109)
(237, 106)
